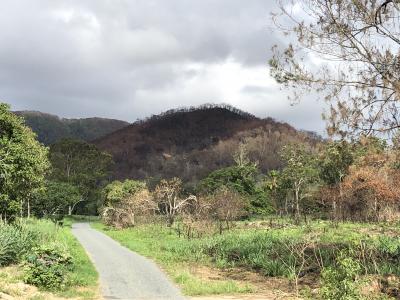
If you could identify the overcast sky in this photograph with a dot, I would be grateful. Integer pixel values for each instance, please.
(128, 59)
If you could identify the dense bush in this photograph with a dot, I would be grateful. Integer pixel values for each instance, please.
(340, 281)
(15, 241)
(243, 179)
(47, 267)
(124, 201)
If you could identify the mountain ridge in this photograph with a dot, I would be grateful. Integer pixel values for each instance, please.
(191, 142)
(52, 128)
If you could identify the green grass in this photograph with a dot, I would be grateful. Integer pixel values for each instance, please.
(270, 248)
(195, 287)
(168, 250)
(83, 279)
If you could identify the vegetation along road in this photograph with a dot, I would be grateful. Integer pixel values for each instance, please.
(123, 273)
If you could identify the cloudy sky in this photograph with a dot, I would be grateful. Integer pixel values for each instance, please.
(128, 59)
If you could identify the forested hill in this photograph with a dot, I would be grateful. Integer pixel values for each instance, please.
(190, 143)
(50, 128)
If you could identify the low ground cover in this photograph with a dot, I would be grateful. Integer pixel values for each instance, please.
(297, 254)
(26, 260)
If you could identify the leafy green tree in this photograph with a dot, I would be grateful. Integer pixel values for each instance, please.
(80, 164)
(23, 164)
(56, 198)
(299, 174)
(277, 188)
(242, 178)
(239, 178)
(334, 161)
(116, 191)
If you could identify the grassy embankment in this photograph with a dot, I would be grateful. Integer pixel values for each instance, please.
(82, 280)
(276, 249)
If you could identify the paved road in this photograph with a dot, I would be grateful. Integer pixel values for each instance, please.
(124, 274)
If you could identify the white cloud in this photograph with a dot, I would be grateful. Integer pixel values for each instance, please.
(128, 59)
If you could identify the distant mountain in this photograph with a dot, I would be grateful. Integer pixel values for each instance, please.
(190, 143)
(50, 128)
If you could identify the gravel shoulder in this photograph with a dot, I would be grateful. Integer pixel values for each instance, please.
(124, 274)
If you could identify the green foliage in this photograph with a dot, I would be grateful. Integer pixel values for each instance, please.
(15, 241)
(56, 198)
(370, 145)
(340, 282)
(334, 162)
(298, 176)
(118, 190)
(275, 248)
(51, 129)
(173, 253)
(240, 178)
(196, 287)
(83, 274)
(300, 165)
(30, 239)
(82, 165)
(388, 248)
(47, 267)
(23, 163)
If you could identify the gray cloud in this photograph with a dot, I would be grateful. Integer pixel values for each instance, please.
(128, 59)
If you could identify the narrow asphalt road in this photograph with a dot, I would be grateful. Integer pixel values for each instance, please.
(124, 274)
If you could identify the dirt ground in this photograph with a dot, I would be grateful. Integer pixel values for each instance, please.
(265, 288)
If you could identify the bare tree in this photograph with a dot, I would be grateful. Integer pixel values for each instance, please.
(227, 206)
(347, 51)
(168, 196)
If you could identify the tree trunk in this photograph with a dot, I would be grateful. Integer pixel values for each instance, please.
(71, 208)
(286, 205)
(29, 209)
(297, 213)
(334, 208)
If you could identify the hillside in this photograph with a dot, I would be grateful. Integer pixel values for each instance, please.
(50, 128)
(190, 143)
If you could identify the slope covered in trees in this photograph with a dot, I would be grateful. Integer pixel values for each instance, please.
(190, 143)
(50, 128)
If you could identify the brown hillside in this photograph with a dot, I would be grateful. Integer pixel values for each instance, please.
(190, 143)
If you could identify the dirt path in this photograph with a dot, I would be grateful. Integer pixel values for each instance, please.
(124, 274)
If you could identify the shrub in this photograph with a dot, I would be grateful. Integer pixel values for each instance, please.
(124, 213)
(124, 201)
(47, 267)
(15, 241)
(340, 282)
(228, 206)
(370, 194)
